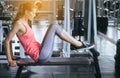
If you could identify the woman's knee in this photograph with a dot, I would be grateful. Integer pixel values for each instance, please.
(53, 26)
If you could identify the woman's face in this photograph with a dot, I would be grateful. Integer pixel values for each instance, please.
(31, 14)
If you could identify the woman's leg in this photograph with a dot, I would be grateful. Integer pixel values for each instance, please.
(48, 41)
(68, 38)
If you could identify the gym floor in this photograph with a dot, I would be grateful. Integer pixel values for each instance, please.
(106, 61)
(107, 51)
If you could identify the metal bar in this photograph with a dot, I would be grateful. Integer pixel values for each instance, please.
(68, 23)
(83, 8)
(107, 38)
(96, 62)
(18, 74)
(94, 51)
(66, 46)
(65, 21)
(89, 22)
(94, 22)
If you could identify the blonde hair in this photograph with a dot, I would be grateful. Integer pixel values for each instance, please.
(28, 6)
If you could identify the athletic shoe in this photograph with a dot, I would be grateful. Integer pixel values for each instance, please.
(85, 46)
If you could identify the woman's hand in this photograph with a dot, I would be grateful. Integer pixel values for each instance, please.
(13, 63)
(15, 57)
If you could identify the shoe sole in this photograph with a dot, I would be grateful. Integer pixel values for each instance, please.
(87, 48)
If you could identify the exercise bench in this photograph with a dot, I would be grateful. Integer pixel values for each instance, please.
(53, 61)
(85, 60)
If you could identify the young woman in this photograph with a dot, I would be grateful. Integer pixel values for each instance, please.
(38, 52)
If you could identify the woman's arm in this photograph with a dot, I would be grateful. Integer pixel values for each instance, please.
(9, 37)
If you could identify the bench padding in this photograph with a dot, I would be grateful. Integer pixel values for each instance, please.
(56, 61)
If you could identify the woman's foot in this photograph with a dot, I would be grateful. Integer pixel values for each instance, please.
(85, 45)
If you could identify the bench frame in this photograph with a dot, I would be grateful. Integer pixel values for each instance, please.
(73, 62)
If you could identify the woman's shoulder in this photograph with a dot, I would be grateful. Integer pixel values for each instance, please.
(17, 23)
